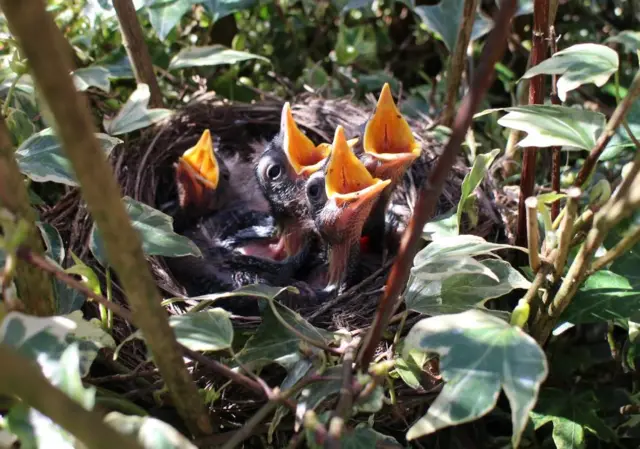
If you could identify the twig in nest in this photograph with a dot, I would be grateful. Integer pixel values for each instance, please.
(493, 50)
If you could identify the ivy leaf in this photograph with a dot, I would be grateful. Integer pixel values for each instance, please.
(150, 432)
(461, 292)
(572, 415)
(156, 232)
(41, 158)
(165, 15)
(548, 126)
(479, 356)
(445, 267)
(134, 114)
(473, 179)
(445, 225)
(274, 343)
(20, 126)
(462, 245)
(53, 241)
(46, 338)
(579, 64)
(629, 39)
(209, 330)
(445, 17)
(603, 296)
(364, 437)
(211, 55)
(222, 8)
(94, 76)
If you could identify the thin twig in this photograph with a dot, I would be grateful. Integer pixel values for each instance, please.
(624, 245)
(533, 233)
(425, 206)
(345, 400)
(566, 230)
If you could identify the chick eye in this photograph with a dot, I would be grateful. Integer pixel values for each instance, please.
(274, 171)
(313, 191)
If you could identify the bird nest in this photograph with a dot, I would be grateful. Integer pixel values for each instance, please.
(144, 169)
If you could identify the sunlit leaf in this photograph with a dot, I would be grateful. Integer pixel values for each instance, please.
(445, 17)
(46, 338)
(462, 245)
(579, 64)
(94, 76)
(444, 267)
(461, 292)
(480, 355)
(548, 126)
(134, 114)
(156, 232)
(222, 8)
(210, 56)
(41, 157)
(629, 39)
(603, 296)
(473, 179)
(209, 330)
(150, 432)
(445, 225)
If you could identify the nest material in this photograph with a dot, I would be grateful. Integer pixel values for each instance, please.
(144, 170)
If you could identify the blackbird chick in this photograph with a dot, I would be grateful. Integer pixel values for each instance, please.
(282, 171)
(340, 199)
(388, 149)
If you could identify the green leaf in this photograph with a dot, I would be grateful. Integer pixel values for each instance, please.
(548, 126)
(445, 225)
(579, 64)
(364, 437)
(409, 368)
(444, 267)
(211, 55)
(357, 4)
(94, 76)
(134, 114)
(156, 232)
(462, 292)
(274, 343)
(41, 157)
(473, 179)
(165, 15)
(603, 296)
(462, 245)
(20, 127)
(445, 17)
(209, 330)
(23, 98)
(355, 44)
(572, 415)
(222, 8)
(52, 240)
(151, 433)
(46, 338)
(479, 355)
(629, 39)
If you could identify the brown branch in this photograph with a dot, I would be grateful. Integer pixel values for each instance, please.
(34, 286)
(613, 123)
(536, 96)
(457, 59)
(21, 377)
(38, 37)
(533, 234)
(136, 47)
(624, 245)
(425, 205)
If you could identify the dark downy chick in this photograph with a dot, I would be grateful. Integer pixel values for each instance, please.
(340, 199)
(282, 172)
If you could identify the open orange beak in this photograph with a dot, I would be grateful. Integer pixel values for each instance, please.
(347, 180)
(303, 155)
(387, 135)
(201, 163)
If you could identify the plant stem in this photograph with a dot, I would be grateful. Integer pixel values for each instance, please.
(613, 123)
(566, 231)
(536, 96)
(556, 152)
(425, 205)
(533, 234)
(41, 43)
(34, 287)
(624, 245)
(7, 101)
(457, 59)
(21, 377)
(137, 50)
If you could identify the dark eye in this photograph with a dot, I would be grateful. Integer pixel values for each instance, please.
(314, 191)
(274, 171)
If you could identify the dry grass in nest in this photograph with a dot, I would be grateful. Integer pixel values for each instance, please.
(144, 170)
